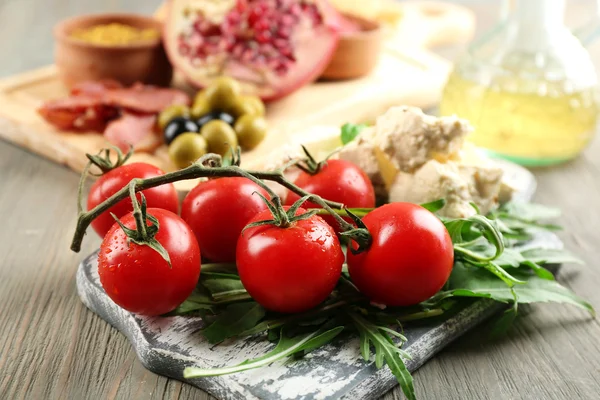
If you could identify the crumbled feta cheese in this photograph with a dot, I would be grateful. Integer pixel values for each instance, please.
(361, 152)
(410, 138)
(435, 180)
(457, 183)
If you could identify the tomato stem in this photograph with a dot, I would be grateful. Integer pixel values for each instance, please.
(208, 166)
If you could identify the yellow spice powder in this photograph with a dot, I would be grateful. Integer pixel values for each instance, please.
(114, 34)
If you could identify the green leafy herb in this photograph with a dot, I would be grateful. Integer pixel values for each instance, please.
(385, 351)
(503, 324)
(492, 260)
(472, 282)
(286, 347)
(224, 287)
(530, 212)
(189, 306)
(550, 256)
(236, 318)
(351, 131)
(434, 206)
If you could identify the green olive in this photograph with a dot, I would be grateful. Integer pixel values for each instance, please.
(176, 110)
(247, 105)
(187, 148)
(220, 136)
(222, 93)
(250, 130)
(200, 107)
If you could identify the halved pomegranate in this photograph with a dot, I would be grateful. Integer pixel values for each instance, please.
(272, 47)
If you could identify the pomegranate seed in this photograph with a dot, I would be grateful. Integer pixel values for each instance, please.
(267, 49)
(259, 59)
(280, 43)
(263, 37)
(241, 5)
(248, 55)
(273, 63)
(283, 32)
(281, 69)
(286, 52)
(233, 18)
(237, 50)
(287, 20)
(262, 25)
(295, 9)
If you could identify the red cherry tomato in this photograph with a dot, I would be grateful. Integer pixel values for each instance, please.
(289, 269)
(409, 260)
(137, 278)
(217, 210)
(164, 196)
(340, 181)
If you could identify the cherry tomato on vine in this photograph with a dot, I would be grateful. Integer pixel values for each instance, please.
(138, 278)
(289, 269)
(410, 257)
(337, 180)
(164, 196)
(217, 210)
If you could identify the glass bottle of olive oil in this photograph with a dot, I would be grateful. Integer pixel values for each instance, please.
(529, 88)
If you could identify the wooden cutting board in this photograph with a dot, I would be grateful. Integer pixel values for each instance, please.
(407, 73)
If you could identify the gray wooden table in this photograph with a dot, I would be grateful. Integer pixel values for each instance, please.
(52, 347)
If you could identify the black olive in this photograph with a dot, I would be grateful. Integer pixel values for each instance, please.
(223, 116)
(177, 126)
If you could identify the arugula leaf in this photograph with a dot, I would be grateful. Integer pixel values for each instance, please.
(512, 258)
(236, 318)
(219, 275)
(435, 205)
(351, 131)
(518, 220)
(550, 256)
(475, 282)
(220, 288)
(286, 347)
(530, 212)
(503, 324)
(385, 350)
(189, 306)
(320, 340)
(539, 270)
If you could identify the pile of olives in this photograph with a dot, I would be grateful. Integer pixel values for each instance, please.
(220, 119)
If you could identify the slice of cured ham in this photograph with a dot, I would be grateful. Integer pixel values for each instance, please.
(95, 88)
(81, 114)
(92, 105)
(134, 130)
(145, 99)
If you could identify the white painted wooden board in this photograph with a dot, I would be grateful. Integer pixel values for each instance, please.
(166, 345)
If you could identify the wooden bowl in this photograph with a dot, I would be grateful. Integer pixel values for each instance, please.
(78, 60)
(357, 52)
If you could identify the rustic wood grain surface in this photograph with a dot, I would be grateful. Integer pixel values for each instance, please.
(52, 347)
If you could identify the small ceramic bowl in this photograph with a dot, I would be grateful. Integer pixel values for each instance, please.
(358, 50)
(78, 60)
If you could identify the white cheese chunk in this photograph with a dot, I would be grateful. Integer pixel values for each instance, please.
(459, 184)
(410, 138)
(435, 180)
(361, 152)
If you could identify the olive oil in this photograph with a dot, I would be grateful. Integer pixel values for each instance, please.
(542, 126)
(528, 87)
